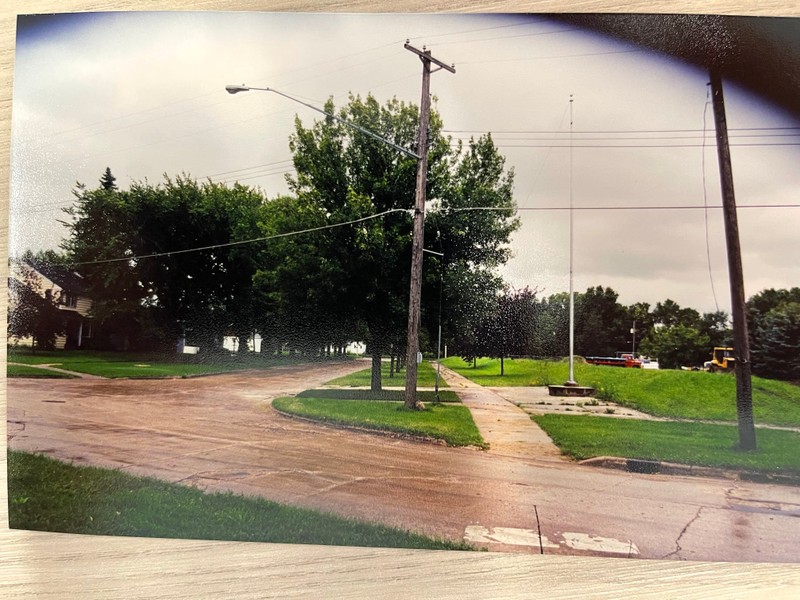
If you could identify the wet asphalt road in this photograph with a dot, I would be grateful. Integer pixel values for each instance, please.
(220, 433)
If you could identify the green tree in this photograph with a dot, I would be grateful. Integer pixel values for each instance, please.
(102, 230)
(670, 312)
(774, 326)
(108, 181)
(508, 330)
(676, 345)
(551, 328)
(161, 258)
(641, 320)
(470, 221)
(716, 325)
(33, 311)
(350, 176)
(601, 323)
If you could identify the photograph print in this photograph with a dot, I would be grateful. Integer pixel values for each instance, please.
(521, 283)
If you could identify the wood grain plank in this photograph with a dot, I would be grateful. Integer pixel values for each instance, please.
(47, 565)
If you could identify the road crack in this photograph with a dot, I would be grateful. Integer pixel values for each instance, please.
(678, 547)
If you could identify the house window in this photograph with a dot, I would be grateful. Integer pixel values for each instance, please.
(69, 300)
(88, 330)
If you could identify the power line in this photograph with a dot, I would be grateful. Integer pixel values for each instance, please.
(409, 211)
(445, 210)
(507, 37)
(534, 137)
(209, 94)
(610, 208)
(742, 145)
(614, 131)
(705, 200)
(242, 242)
(493, 27)
(555, 57)
(261, 166)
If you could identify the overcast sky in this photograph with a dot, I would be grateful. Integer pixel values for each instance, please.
(143, 93)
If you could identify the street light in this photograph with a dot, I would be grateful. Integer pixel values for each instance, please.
(235, 89)
(416, 259)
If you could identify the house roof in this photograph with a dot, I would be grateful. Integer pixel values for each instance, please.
(68, 280)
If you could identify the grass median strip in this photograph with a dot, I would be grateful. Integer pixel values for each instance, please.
(49, 495)
(702, 444)
(451, 422)
(664, 393)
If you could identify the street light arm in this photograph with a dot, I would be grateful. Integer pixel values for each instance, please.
(235, 89)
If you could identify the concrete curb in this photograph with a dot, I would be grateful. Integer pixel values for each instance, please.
(636, 465)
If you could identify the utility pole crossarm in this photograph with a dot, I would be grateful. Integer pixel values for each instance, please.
(426, 55)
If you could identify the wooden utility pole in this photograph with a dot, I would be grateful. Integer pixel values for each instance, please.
(415, 294)
(741, 343)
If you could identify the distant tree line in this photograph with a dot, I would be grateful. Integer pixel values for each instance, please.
(519, 323)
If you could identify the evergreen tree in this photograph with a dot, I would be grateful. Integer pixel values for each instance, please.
(108, 181)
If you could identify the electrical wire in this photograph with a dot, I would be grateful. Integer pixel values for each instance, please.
(614, 131)
(409, 211)
(501, 144)
(554, 57)
(705, 201)
(242, 242)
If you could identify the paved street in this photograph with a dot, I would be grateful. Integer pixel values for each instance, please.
(219, 433)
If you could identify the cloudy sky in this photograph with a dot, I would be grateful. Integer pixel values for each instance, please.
(143, 93)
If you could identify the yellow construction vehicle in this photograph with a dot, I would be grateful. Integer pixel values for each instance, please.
(722, 359)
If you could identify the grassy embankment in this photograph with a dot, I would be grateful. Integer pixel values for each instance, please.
(693, 395)
(45, 494)
(689, 398)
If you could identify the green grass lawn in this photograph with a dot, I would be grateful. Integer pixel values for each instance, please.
(49, 495)
(449, 422)
(120, 364)
(703, 444)
(26, 371)
(426, 377)
(666, 393)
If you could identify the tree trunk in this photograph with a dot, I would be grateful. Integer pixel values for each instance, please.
(502, 367)
(375, 381)
(242, 349)
(377, 351)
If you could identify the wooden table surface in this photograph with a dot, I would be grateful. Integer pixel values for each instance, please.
(49, 565)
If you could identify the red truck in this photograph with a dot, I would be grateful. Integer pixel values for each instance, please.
(622, 359)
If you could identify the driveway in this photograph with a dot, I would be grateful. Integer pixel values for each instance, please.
(220, 433)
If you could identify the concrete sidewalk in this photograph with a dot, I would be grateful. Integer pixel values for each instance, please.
(507, 429)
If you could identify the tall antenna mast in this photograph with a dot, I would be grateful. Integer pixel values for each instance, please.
(571, 387)
(571, 380)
